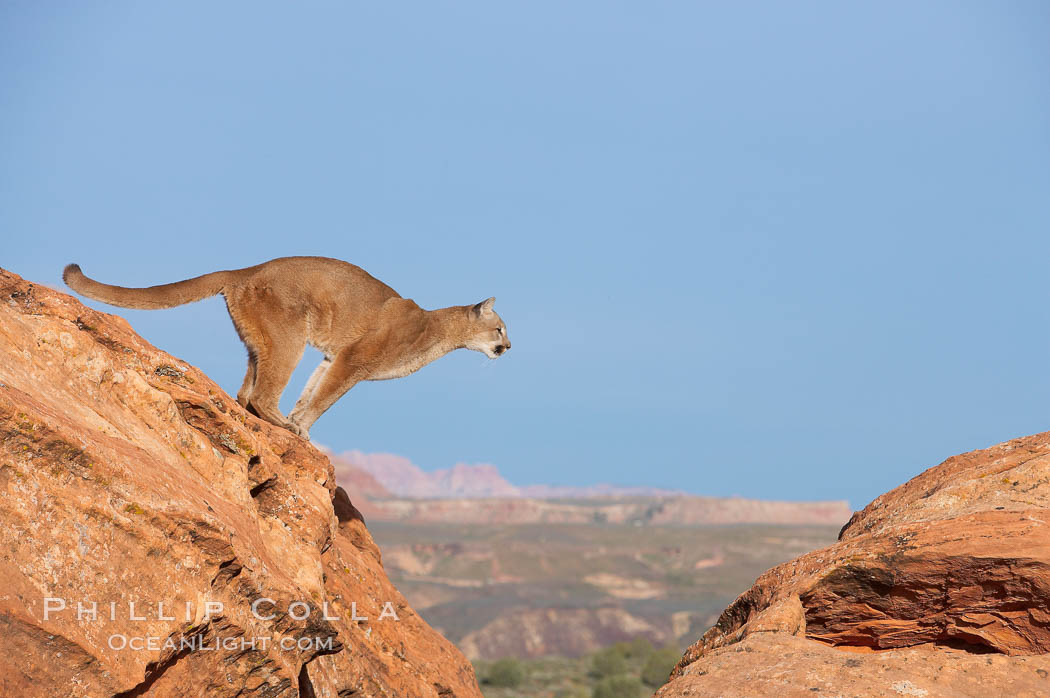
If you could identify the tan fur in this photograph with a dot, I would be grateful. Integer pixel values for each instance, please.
(365, 330)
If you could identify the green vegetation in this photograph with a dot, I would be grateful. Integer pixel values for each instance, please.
(506, 673)
(659, 665)
(608, 662)
(639, 647)
(577, 692)
(624, 670)
(619, 687)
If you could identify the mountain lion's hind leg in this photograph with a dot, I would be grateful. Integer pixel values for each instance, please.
(278, 345)
(245, 393)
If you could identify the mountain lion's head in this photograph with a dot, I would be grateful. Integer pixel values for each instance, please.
(488, 333)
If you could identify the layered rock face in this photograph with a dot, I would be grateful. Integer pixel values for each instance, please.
(158, 540)
(940, 587)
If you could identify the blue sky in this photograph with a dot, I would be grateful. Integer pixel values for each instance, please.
(788, 250)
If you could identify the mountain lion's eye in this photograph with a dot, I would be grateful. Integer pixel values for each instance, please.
(500, 330)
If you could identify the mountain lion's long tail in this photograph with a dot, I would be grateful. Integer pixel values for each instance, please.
(163, 296)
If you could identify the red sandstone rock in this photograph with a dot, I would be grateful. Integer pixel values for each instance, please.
(950, 571)
(768, 664)
(127, 477)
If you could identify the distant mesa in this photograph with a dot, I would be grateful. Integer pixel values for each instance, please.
(402, 478)
(399, 490)
(557, 631)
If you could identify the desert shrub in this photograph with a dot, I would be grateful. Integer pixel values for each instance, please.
(574, 692)
(507, 672)
(659, 665)
(638, 648)
(618, 687)
(608, 662)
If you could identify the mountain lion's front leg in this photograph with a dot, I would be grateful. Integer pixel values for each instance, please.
(345, 371)
(308, 391)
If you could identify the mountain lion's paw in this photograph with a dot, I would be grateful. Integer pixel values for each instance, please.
(298, 430)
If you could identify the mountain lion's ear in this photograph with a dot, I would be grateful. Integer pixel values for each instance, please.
(484, 307)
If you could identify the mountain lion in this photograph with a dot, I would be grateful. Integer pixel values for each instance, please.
(365, 329)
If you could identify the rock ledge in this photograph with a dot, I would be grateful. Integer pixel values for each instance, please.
(128, 477)
(936, 588)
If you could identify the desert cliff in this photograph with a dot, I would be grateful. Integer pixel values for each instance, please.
(144, 513)
(940, 587)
